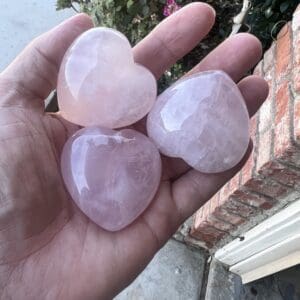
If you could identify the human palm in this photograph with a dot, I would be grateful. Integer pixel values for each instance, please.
(49, 249)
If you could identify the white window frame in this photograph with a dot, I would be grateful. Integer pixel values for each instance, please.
(268, 248)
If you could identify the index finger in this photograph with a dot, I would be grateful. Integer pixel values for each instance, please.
(174, 37)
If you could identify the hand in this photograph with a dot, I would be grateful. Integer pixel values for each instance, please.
(48, 248)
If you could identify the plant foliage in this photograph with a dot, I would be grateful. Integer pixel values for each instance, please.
(136, 18)
(266, 18)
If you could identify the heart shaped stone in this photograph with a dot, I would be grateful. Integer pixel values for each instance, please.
(112, 176)
(202, 119)
(99, 83)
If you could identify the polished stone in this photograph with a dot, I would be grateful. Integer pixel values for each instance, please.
(100, 84)
(202, 119)
(111, 175)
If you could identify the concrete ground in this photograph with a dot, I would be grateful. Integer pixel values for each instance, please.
(176, 273)
(23, 20)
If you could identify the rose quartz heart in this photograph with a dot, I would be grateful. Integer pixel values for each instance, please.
(99, 83)
(112, 176)
(202, 119)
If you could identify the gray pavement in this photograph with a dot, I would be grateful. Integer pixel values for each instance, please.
(22, 20)
(176, 273)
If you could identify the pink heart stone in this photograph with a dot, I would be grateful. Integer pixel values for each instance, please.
(100, 85)
(112, 176)
(202, 119)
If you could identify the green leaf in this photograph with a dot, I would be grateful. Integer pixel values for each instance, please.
(61, 4)
(136, 18)
(129, 3)
(146, 10)
(267, 3)
(133, 9)
(284, 6)
(269, 12)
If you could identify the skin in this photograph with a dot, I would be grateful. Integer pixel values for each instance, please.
(48, 248)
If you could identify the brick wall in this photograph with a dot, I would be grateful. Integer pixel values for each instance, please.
(271, 177)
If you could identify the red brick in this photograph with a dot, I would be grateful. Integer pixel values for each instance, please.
(222, 214)
(258, 201)
(219, 224)
(225, 192)
(296, 47)
(266, 187)
(291, 155)
(282, 174)
(206, 210)
(198, 217)
(268, 61)
(235, 182)
(282, 137)
(207, 227)
(201, 214)
(296, 19)
(238, 208)
(228, 216)
(248, 169)
(265, 113)
(207, 234)
(296, 80)
(296, 64)
(264, 152)
(214, 202)
(287, 148)
(253, 127)
(258, 71)
(283, 51)
(265, 178)
(282, 102)
(297, 121)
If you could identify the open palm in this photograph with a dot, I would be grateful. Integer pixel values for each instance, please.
(48, 248)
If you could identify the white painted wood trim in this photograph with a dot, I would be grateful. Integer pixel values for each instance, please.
(269, 247)
(272, 231)
(272, 260)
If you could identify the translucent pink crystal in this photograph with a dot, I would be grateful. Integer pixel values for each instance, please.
(112, 176)
(202, 119)
(99, 83)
